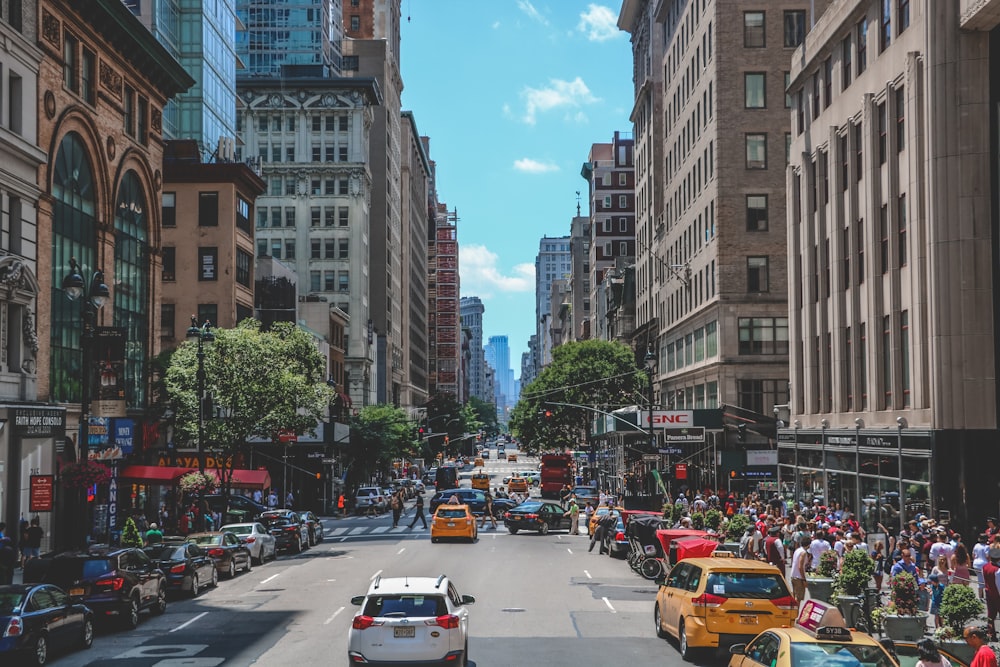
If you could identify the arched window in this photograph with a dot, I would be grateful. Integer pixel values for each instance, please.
(131, 290)
(73, 235)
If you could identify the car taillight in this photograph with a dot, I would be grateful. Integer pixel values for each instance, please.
(251, 539)
(506, 515)
(707, 600)
(362, 622)
(619, 536)
(531, 516)
(14, 628)
(178, 569)
(216, 552)
(114, 583)
(786, 603)
(448, 621)
(291, 529)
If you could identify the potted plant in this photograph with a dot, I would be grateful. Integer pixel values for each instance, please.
(959, 606)
(733, 531)
(820, 582)
(698, 521)
(902, 621)
(713, 519)
(130, 534)
(855, 573)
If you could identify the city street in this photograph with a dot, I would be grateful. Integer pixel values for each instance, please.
(539, 600)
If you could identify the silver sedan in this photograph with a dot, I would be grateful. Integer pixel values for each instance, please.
(261, 543)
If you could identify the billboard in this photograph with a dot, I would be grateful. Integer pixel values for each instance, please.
(107, 372)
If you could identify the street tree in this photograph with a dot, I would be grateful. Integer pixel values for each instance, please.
(263, 383)
(486, 414)
(379, 435)
(593, 373)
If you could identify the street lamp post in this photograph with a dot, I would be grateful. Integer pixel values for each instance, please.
(824, 424)
(650, 362)
(901, 423)
(203, 334)
(96, 296)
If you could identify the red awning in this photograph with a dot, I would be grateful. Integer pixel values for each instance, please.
(251, 479)
(162, 474)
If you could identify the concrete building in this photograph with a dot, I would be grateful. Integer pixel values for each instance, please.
(471, 313)
(553, 262)
(892, 246)
(289, 33)
(372, 47)
(202, 37)
(529, 361)
(416, 178)
(582, 324)
(443, 289)
(207, 249)
(311, 136)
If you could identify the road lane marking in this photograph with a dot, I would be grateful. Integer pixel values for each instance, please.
(327, 621)
(401, 551)
(378, 530)
(184, 625)
(270, 578)
(588, 574)
(375, 575)
(357, 531)
(568, 550)
(338, 531)
(608, 602)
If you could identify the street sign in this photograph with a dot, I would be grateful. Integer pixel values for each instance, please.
(650, 457)
(681, 471)
(41, 495)
(329, 461)
(670, 450)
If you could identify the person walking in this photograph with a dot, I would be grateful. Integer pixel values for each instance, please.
(289, 500)
(800, 565)
(32, 540)
(976, 638)
(8, 560)
(991, 577)
(396, 505)
(488, 512)
(605, 524)
(272, 500)
(574, 516)
(419, 511)
(154, 535)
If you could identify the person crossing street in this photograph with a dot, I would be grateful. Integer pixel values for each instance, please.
(418, 513)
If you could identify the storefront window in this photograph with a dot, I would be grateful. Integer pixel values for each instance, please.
(872, 512)
(917, 469)
(840, 461)
(869, 464)
(810, 459)
(786, 457)
(917, 499)
(888, 466)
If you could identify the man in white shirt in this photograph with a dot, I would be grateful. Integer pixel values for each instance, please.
(816, 548)
(800, 564)
(940, 548)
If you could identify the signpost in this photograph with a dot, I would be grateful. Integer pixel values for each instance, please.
(41, 496)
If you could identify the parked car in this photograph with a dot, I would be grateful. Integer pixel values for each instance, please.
(290, 534)
(261, 543)
(363, 500)
(38, 619)
(187, 567)
(453, 521)
(474, 498)
(410, 620)
(537, 515)
(314, 525)
(118, 584)
(430, 476)
(250, 510)
(225, 549)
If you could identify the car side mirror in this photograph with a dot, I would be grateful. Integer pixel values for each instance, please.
(660, 581)
(738, 649)
(357, 600)
(468, 599)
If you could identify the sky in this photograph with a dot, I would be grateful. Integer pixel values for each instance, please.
(512, 94)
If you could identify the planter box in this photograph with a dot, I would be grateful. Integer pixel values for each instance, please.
(820, 588)
(958, 648)
(905, 628)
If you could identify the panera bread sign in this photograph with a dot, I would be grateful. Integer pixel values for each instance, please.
(39, 422)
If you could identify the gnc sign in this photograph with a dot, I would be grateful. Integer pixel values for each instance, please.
(668, 418)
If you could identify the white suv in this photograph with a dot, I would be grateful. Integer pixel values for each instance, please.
(410, 620)
(363, 500)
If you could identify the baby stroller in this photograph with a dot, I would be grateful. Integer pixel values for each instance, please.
(646, 552)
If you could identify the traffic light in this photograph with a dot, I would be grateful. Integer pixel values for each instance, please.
(741, 432)
(732, 474)
(447, 440)
(319, 475)
(548, 414)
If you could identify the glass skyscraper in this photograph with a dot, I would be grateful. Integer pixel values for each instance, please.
(289, 32)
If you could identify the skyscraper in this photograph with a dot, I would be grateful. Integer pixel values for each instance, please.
(552, 263)
(289, 32)
(472, 310)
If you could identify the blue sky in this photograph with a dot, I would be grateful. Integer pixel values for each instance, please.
(512, 94)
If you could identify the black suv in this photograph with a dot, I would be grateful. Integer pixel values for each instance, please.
(237, 503)
(118, 583)
(474, 498)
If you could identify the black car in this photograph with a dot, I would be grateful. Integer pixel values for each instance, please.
(246, 506)
(187, 567)
(314, 525)
(474, 498)
(226, 551)
(536, 515)
(290, 534)
(117, 584)
(36, 619)
(501, 505)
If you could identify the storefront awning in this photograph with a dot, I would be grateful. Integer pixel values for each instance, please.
(251, 479)
(161, 474)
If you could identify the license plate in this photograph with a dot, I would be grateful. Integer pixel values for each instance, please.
(748, 619)
(451, 524)
(76, 591)
(404, 632)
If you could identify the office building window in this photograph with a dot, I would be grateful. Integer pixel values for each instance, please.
(342, 153)
(142, 120)
(754, 90)
(315, 247)
(903, 15)
(169, 255)
(290, 186)
(167, 320)
(88, 74)
(756, 151)
(900, 119)
(342, 248)
(883, 227)
(276, 248)
(329, 187)
(753, 30)
(128, 111)
(827, 82)
(342, 186)
(329, 216)
(208, 209)
(883, 131)
(885, 26)
(243, 262)
(289, 217)
(845, 62)
(355, 22)
(290, 249)
(343, 281)
(904, 353)
(861, 249)
(762, 335)
(342, 216)
(168, 209)
(761, 395)
(70, 47)
(623, 224)
(208, 312)
(788, 95)
(862, 32)
(315, 280)
(901, 230)
(887, 361)
(208, 263)
(330, 248)
(859, 162)
(329, 280)
(795, 27)
(756, 213)
(622, 201)
(757, 274)
(262, 247)
(317, 123)
(314, 216)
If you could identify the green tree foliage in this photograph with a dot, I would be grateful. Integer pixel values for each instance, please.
(130, 534)
(595, 373)
(486, 414)
(263, 382)
(379, 434)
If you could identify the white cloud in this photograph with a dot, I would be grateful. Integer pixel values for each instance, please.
(600, 24)
(570, 95)
(496, 24)
(480, 275)
(531, 166)
(532, 13)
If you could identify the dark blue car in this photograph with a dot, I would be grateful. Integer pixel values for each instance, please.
(38, 619)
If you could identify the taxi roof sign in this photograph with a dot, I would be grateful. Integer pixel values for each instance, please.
(822, 620)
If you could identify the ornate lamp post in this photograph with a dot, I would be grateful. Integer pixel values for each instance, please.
(650, 363)
(96, 296)
(203, 334)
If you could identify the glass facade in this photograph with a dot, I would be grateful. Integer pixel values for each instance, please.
(131, 293)
(289, 32)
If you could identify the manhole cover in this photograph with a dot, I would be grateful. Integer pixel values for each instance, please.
(512, 609)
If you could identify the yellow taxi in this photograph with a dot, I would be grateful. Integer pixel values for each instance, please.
(453, 521)
(512, 458)
(721, 600)
(819, 637)
(599, 514)
(517, 484)
(479, 462)
(481, 481)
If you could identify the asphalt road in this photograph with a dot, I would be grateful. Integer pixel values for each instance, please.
(539, 601)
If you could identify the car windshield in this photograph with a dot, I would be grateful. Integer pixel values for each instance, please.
(835, 654)
(10, 600)
(756, 585)
(206, 539)
(406, 606)
(245, 529)
(172, 552)
(451, 513)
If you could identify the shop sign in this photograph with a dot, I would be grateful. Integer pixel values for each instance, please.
(223, 462)
(687, 434)
(681, 471)
(107, 372)
(98, 431)
(39, 422)
(40, 497)
(667, 418)
(111, 439)
(758, 474)
(762, 457)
